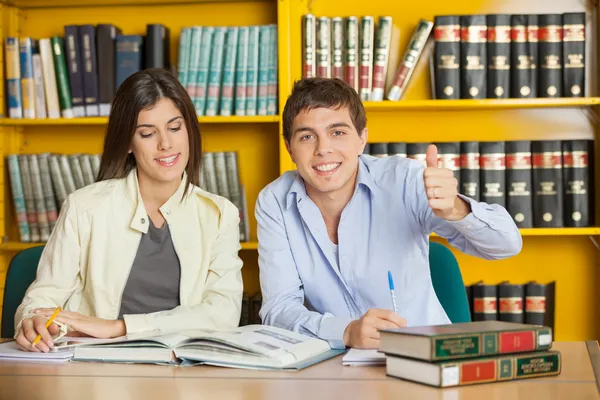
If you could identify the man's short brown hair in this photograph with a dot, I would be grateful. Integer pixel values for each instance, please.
(310, 93)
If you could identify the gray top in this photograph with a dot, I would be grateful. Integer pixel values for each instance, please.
(153, 283)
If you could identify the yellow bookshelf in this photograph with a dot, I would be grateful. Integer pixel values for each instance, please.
(566, 255)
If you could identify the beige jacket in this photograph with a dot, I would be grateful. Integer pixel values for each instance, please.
(87, 260)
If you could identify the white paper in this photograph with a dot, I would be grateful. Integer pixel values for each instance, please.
(11, 351)
(356, 357)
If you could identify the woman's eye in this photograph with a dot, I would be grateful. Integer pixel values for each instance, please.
(145, 135)
(175, 129)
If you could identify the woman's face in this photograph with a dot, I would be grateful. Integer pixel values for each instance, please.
(160, 144)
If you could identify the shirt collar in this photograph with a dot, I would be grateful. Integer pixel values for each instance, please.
(363, 178)
(140, 217)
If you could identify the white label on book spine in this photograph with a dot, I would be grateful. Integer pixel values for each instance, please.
(544, 340)
(450, 375)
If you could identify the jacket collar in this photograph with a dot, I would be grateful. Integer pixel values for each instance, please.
(140, 220)
(363, 178)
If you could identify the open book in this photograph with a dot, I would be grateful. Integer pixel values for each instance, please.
(251, 346)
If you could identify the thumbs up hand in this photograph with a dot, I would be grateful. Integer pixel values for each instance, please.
(442, 189)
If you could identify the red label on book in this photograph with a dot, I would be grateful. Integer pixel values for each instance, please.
(363, 72)
(518, 161)
(512, 342)
(575, 159)
(337, 72)
(532, 33)
(469, 160)
(551, 33)
(547, 160)
(492, 161)
(478, 371)
(499, 34)
(518, 34)
(308, 71)
(322, 71)
(378, 77)
(401, 76)
(511, 305)
(474, 34)
(573, 33)
(535, 304)
(485, 305)
(447, 33)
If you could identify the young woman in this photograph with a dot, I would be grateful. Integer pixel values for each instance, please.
(143, 248)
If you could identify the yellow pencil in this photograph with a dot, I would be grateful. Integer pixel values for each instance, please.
(39, 337)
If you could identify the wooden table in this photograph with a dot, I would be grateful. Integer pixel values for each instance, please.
(25, 380)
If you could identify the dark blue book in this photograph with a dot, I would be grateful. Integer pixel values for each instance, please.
(128, 57)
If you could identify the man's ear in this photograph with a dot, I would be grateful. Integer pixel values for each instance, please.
(287, 146)
(364, 137)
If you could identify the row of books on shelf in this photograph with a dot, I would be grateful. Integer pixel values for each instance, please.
(494, 56)
(251, 304)
(40, 183)
(542, 184)
(526, 303)
(225, 70)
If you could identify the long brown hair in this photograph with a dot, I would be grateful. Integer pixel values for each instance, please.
(140, 91)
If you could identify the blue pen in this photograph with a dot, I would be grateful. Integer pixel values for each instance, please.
(391, 282)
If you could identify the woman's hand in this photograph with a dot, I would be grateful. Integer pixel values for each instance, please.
(83, 324)
(31, 327)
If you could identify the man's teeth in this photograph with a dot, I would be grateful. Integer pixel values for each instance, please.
(168, 159)
(327, 167)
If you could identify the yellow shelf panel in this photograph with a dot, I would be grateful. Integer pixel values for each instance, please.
(104, 120)
(485, 104)
(18, 246)
(90, 3)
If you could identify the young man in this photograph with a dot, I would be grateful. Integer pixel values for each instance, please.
(330, 232)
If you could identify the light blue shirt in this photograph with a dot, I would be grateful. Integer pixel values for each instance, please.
(385, 226)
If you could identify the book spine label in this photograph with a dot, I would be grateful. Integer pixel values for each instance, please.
(337, 48)
(498, 57)
(449, 157)
(574, 54)
(72, 50)
(550, 55)
(538, 307)
(518, 183)
(13, 78)
(493, 178)
(252, 77)
(241, 71)
(447, 57)
(576, 183)
(381, 57)
(27, 81)
(456, 347)
(523, 58)
(473, 53)
(547, 184)
(308, 46)
(485, 302)
(351, 41)
(323, 47)
(215, 72)
(365, 72)
(229, 63)
(273, 69)
(410, 59)
(469, 169)
(263, 70)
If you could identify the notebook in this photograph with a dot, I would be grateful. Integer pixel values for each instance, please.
(251, 346)
(361, 357)
(10, 351)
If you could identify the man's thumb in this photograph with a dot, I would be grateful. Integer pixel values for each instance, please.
(431, 156)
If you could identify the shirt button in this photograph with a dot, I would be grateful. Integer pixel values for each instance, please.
(143, 220)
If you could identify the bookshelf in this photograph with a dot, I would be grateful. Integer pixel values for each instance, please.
(565, 255)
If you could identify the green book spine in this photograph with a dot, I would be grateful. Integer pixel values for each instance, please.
(229, 64)
(252, 71)
(272, 92)
(184, 55)
(241, 71)
(195, 39)
(203, 68)
(62, 78)
(263, 69)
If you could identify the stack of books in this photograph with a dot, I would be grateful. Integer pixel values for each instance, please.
(469, 353)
